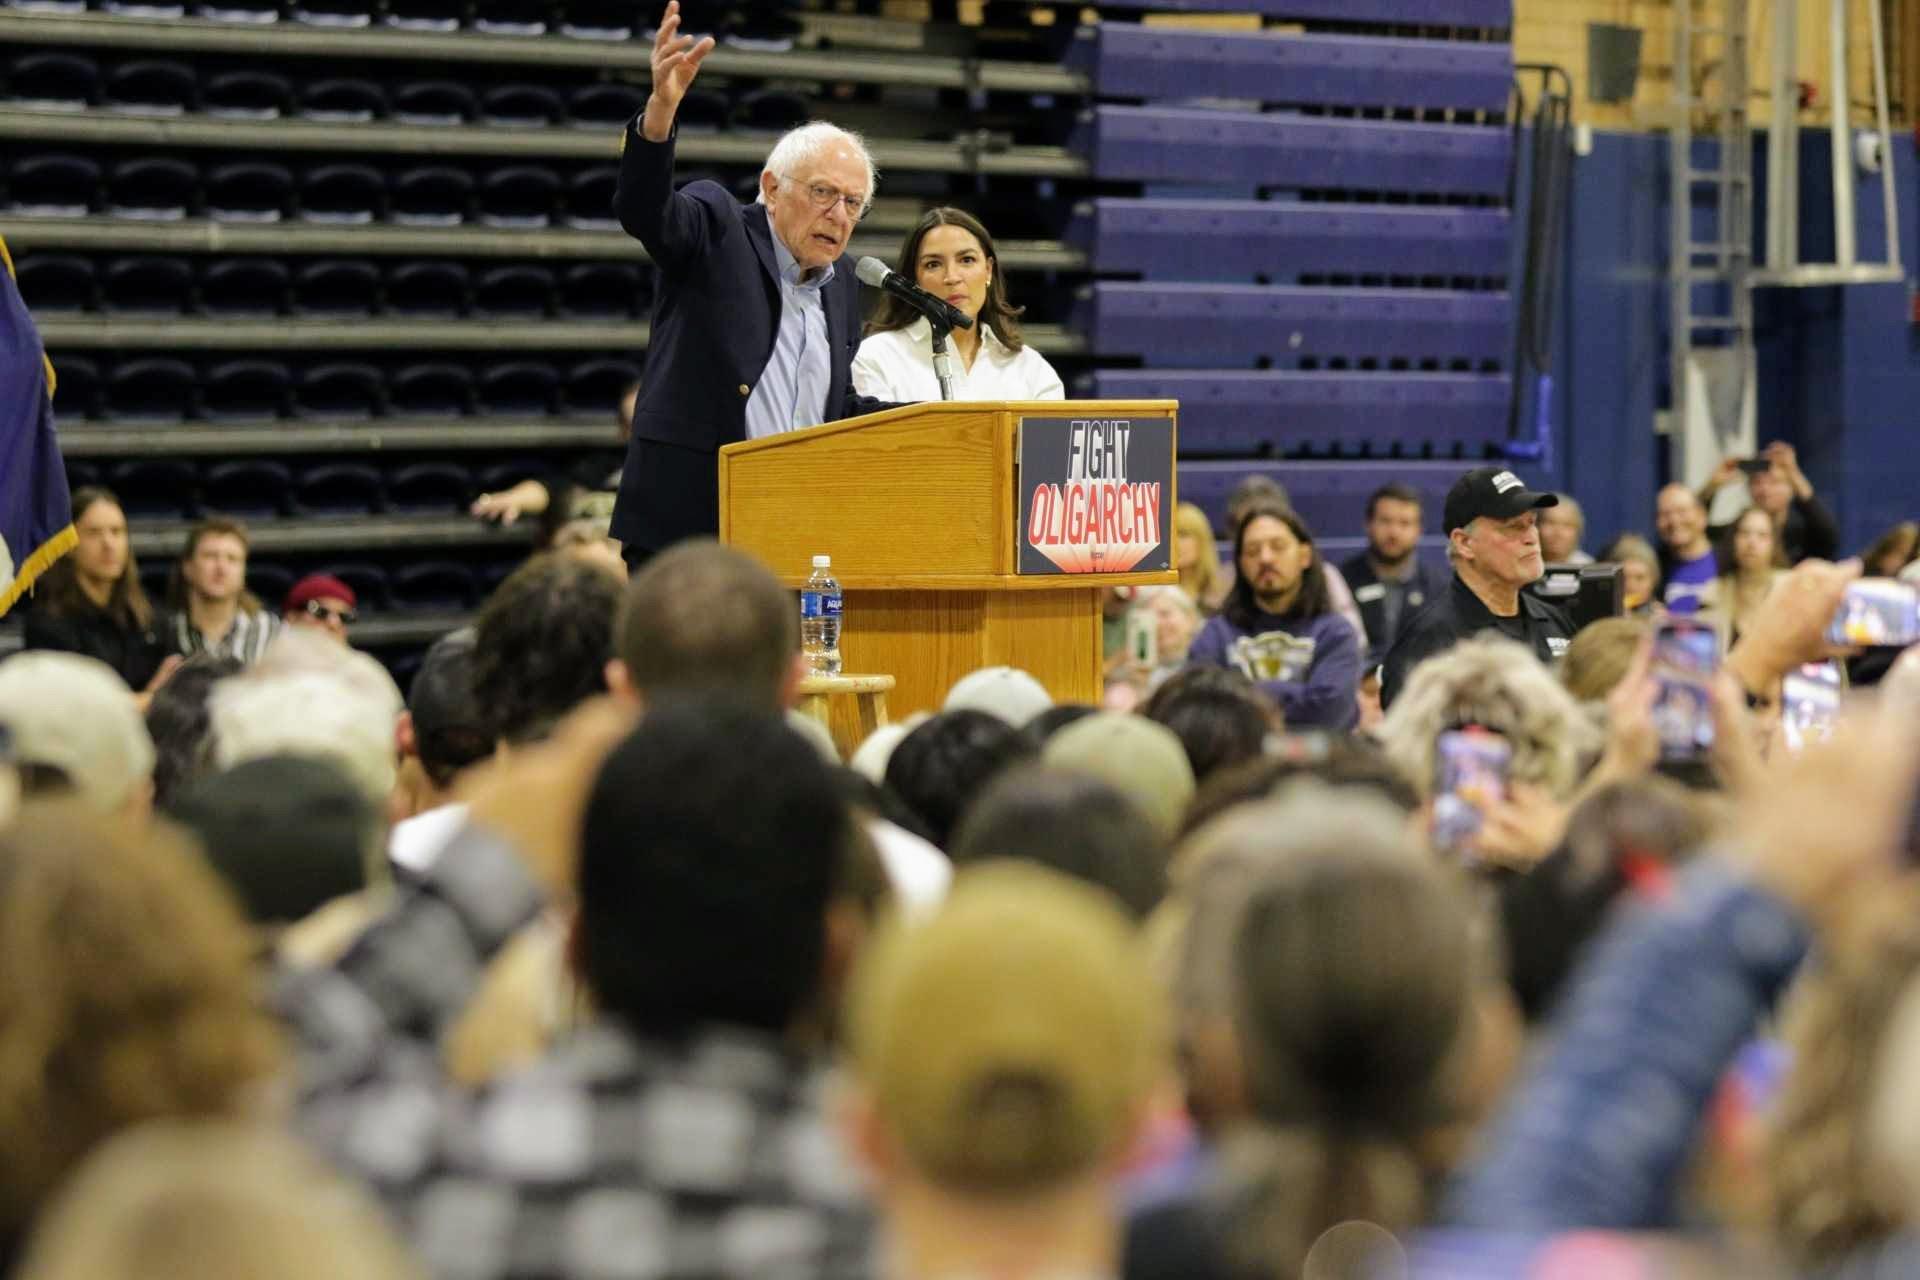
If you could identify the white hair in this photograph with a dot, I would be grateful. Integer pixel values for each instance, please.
(307, 696)
(806, 144)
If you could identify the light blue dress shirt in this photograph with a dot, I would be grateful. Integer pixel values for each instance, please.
(792, 391)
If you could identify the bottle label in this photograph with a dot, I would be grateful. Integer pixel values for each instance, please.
(819, 604)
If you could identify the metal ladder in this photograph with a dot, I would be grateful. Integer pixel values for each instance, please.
(1711, 279)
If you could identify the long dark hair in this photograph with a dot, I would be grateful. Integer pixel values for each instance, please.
(1312, 601)
(60, 594)
(997, 312)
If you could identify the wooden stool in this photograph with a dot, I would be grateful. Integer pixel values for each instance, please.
(861, 706)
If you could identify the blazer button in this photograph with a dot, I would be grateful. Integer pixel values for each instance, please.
(745, 390)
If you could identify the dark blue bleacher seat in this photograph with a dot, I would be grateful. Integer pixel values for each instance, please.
(337, 287)
(151, 87)
(519, 196)
(247, 95)
(595, 386)
(599, 105)
(703, 110)
(54, 186)
(526, 106)
(249, 487)
(51, 282)
(270, 582)
(1126, 60)
(613, 290)
(369, 583)
(424, 15)
(244, 287)
(246, 389)
(343, 193)
(67, 80)
(431, 389)
(1282, 239)
(343, 101)
(249, 192)
(1450, 13)
(428, 289)
(254, 11)
(431, 196)
(156, 577)
(510, 17)
(1216, 324)
(155, 488)
(154, 188)
(340, 391)
(338, 489)
(81, 475)
(1229, 148)
(335, 13)
(527, 388)
(77, 392)
(434, 102)
(770, 110)
(519, 291)
(430, 487)
(435, 584)
(147, 285)
(1227, 413)
(589, 202)
(597, 20)
(158, 389)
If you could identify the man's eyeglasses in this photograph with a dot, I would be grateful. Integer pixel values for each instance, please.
(321, 610)
(823, 197)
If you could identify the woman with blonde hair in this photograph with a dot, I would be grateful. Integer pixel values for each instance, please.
(127, 992)
(1752, 561)
(1639, 573)
(1197, 557)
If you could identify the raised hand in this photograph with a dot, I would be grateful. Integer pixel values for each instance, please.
(676, 61)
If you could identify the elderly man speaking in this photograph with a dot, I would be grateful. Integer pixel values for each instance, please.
(1494, 544)
(756, 307)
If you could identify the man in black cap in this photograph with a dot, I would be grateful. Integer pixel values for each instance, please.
(1495, 550)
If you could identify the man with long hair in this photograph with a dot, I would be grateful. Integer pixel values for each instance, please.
(1279, 626)
(90, 601)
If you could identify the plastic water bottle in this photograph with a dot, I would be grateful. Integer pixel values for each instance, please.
(820, 619)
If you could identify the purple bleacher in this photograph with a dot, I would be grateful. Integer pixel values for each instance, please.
(1330, 496)
(1240, 239)
(1221, 324)
(1239, 148)
(1129, 61)
(1423, 13)
(1228, 413)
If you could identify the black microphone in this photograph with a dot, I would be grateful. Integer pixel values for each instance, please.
(875, 273)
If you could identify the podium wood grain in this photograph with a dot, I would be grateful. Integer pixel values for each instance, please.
(916, 505)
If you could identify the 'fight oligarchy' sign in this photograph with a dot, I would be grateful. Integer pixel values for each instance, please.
(1096, 495)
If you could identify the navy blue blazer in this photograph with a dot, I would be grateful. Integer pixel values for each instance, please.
(716, 307)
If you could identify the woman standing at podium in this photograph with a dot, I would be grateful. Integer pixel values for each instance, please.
(951, 256)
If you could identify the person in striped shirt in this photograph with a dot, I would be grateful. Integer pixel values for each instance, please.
(213, 610)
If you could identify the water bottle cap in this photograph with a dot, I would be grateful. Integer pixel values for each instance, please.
(823, 562)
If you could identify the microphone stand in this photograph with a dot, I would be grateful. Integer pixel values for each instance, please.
(942, 358)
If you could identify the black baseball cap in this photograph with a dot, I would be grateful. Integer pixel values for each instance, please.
(1491, 491)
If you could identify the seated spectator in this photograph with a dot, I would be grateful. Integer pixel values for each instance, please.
(127, 993)
(542, 642)
(209, 1200)
(1334, 762)
(1687, 559)
(1892, 551)
(1221, 718)
(1278, 626)
(1142, 760)
(1197, 559)
(1802, 524)
(706, 856)
(1255, 488)
(213, 612)
(1327, 993)
(1751, 564)
(1390, 582)
(322, 602)
(1601, 655)
(90, 602)
(1562, 528)
(1174, 620)
(941, 766)
(1639, 574)
(582, 490)
(1008, 693)
(1004, 1054)
(1494, 543)
(180, 722)
(1072, 823)
(442, 733)
(76, 731)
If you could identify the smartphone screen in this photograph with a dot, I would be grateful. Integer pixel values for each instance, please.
(1142, 640)
(1810, 703)
(1877, 612)
(1755, 466)
(1470, 776)
(1686, 657)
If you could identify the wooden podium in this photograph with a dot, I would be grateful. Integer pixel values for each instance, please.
(919, 510)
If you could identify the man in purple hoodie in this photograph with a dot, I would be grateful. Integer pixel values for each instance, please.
(1278, 627)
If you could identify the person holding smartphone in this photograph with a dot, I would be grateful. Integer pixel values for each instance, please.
(1778, 486)
(1493, 540)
